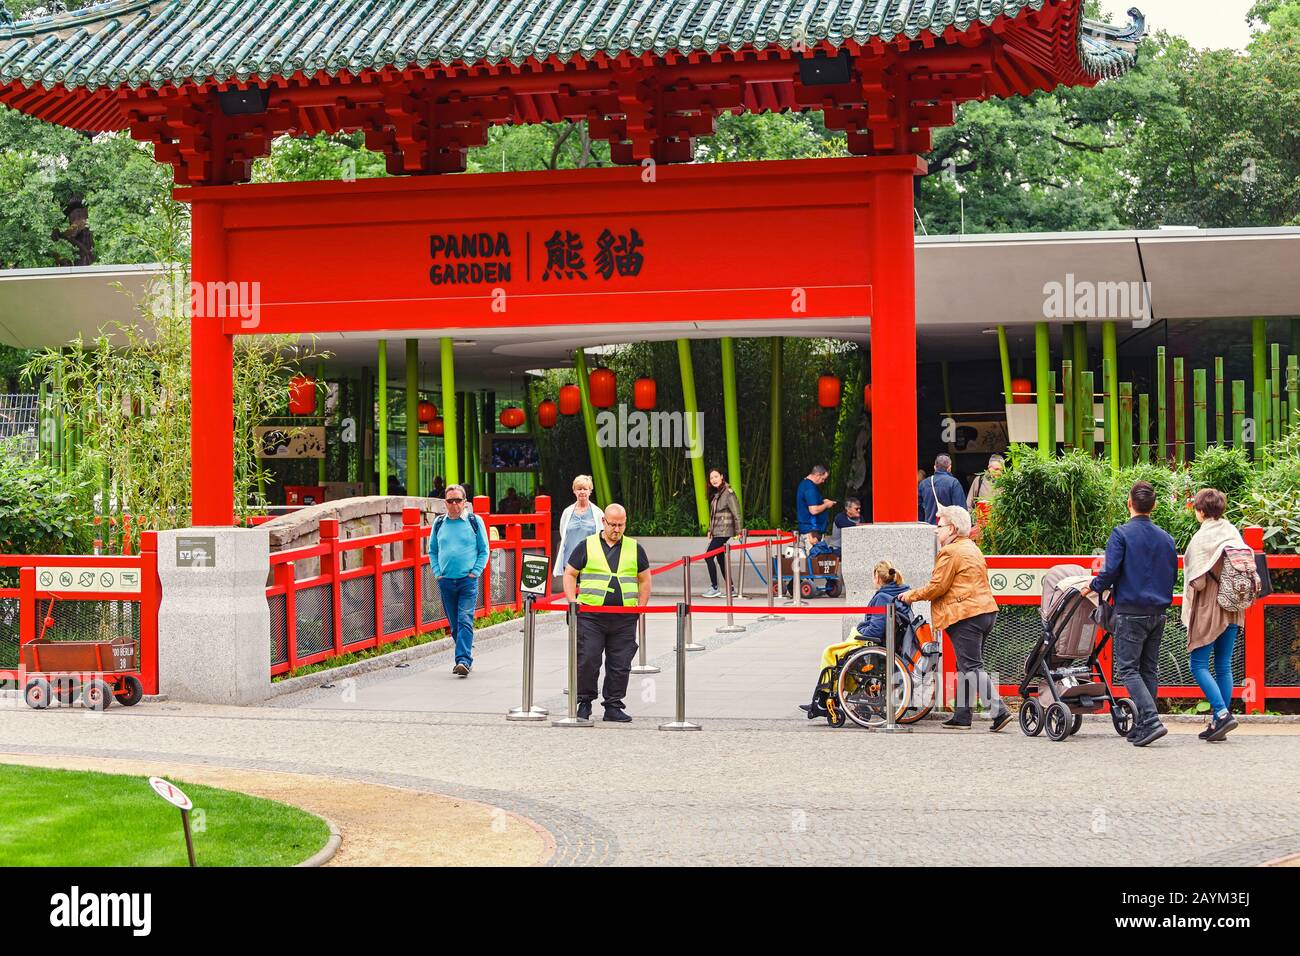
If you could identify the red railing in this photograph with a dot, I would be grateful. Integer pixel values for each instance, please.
(412, 543)
(32, 592)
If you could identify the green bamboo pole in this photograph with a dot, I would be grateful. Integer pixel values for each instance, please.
(1219, 436)
(1198, 410)
(1045, 398)
(692, 406)
(1082, 402)
(599, 473)
(1067, 396)
(1180, 412)
(1110, 353)
(1110, 444)
(1144, 423)
(1004, 356)
(1090, 417)
(1125, 424)
(57, 436)
(1051, 418)
(731, 414)
(774, 447)
(1162, 406)
(42, 445)
(365, 426)
(1293, 388)
(1259, 382)
(451, 461)
(1238, 413)
(1275, 392)
(412, 417)
(382, 386)
(1261, 438)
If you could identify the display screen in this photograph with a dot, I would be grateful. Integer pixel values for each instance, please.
(512, 452)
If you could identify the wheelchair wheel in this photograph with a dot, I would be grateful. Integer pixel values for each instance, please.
(924, 693)
(834, 712)
(861, 686)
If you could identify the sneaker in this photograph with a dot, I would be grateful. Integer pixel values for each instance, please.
(952, 723)
(1001, 721)
(584, 710)
(1209, 729)
(1221, 727)
(712, 593)
(812, 710)
(460, 670)
(1150, 734)
(617, 715)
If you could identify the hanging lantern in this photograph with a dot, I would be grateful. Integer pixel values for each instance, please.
(645, 393)
(427, 412)
(1022, 391)
(302, 395)
(604, 387)
(512, 417)
(570, 400)
(436, 427)
(866, 397)
(828, 391)
(547, 413)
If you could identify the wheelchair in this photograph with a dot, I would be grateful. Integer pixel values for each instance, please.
(855, 689)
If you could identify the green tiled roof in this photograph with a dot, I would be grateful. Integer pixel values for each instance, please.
(140, 43)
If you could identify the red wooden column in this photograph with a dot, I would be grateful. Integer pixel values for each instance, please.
(893, 337)
(212, 426)
(1252, 688)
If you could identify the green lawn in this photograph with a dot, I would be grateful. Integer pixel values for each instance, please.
(76, 818)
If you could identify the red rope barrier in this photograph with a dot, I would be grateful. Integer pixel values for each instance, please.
(787, 609)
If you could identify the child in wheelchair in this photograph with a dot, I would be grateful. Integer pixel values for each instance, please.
(870, 630)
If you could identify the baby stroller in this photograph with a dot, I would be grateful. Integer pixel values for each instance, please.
(1062, 667)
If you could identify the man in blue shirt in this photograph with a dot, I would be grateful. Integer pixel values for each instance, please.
(458, 553)
(938, 490)
(810, 506)
(1140, 568)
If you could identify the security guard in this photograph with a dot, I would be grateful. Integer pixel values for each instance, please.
(612, 571)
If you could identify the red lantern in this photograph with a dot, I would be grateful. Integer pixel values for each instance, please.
(604, 387)
(436, 427)
(547, 413)
(570, 400)
(427, 412)
(1022, 391)
(512, 417)
(866, 397)
(645, 394)
(828, 391)
(302, 395)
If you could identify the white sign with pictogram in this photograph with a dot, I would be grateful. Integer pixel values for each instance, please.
(1017, 582)
(83, 579)
(171, 793)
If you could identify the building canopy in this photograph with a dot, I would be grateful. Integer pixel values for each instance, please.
(212, 82)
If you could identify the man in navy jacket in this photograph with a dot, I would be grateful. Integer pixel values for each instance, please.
(1140, 569)
(939, 489)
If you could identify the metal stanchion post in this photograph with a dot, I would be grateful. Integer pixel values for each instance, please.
(773, 583)
(686, 590)
(679, 721)
(795, 570)
(731, 627)
(744, 556)
(526, 710)
(641, 666)
(891, 707)
(573, 720)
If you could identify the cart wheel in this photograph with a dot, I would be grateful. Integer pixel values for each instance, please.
(1076, 724)
(1031, 717)
(129, 691)
(65, 690)
(37, 693)
(1057, 722)
(805, 589)
(96, 695)
(1122, 715)
(834, 589)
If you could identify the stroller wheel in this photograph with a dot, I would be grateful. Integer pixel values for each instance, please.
(1122, 715)
(1031, 717)
(1057, 723)
(1076, 724)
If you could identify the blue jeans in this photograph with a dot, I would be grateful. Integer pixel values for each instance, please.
(459, 595)
(1216, 687)
(1137, 661)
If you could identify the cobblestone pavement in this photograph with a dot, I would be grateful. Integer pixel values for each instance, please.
(759, 791)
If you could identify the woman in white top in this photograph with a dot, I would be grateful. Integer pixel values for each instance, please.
(579, 522)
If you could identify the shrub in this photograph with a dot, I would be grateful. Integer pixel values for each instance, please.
(41, 511)
(1227, 469)
(1272, 499)
(1050, 506)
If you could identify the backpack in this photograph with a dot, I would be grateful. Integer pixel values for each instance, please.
(1239, 582)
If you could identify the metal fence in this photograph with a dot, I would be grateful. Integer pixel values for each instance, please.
(19, 423)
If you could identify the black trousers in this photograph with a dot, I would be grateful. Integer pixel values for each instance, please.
(608, 636)
(968, 637)
(718, 573)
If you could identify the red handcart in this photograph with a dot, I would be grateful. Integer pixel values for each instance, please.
(100, 671)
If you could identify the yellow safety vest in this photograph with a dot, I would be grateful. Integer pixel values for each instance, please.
(597, 579)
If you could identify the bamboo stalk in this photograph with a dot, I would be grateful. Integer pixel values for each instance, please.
(1238, 413)
(1219, 437)
(1144, 422)
(1067, 396)
(1275, 393)
(1293, 387)
(1090, 418)
(1198, 410)
(1108, 420)
(1125, 424)
(1162, 398)
(1004, 357)
(1082, 402)
(1261, 438)
(1259, 377)
(1180, 413)
(1051, 416)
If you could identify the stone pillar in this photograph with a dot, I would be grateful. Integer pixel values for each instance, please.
(214, 627)
(909, 547)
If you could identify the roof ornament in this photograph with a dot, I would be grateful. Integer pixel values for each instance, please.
(1137, 25)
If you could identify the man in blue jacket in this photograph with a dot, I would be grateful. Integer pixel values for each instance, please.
(941, 488)
(458, 553)
(1140, 568)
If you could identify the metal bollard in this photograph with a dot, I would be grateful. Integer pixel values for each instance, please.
(686, 589)
(744, 554)
(642, 667)
(573, 720)
(795, 569)
(773, 583)
(731, 627)
(526, 710)
(679, 721)
(890, 727)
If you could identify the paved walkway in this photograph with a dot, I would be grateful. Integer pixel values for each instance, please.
(757, 785)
